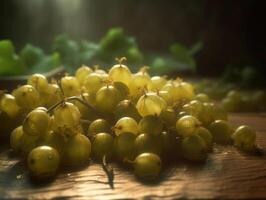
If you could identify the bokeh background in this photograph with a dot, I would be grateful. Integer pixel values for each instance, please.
(232, 32)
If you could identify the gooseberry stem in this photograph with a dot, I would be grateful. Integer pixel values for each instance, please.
(144, 69)
(96, 67)
(109, 172)
(70, 99)
(126, 160)
(121, 60)
(54, 106)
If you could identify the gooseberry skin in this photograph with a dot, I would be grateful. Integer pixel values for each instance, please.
(167, 97)
(120, 73)
(202, 97)
(138, 84)
(234, 95)
(197, 106)
(53, 95)
(147, 143)
(151, 124)
(187, 125)
(93, 82)
(168, 117)
(147, 166)
(179, 90)
(207, 114)
(57, 140)
(170, 145)
(43, 162)
(124, 146)
(229, 104)
(37, 122)
(99, 126)
(15, 138)
(100, 71)
(157, 82)
(126, 108)
(194, 148)
(122, 88)
(221, 131)
(28, 142)
(39, 82)
(150, 104)
(102, 145)
(244, 138)
(70, 86)
(8, 105)
(27, 97)
(126, 124)
(81, 74)
(168, 90)
(77, 151)
(67, 115)
(107, 98)
(206, 135)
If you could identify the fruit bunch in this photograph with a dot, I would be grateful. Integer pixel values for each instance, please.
(237, 101)
(233, 98)
(137, 120)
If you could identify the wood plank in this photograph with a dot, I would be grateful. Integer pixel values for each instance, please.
(227, 173)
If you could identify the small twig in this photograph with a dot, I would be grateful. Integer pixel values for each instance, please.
(96, 67)
(81, 101)
(61, 89)
(126, 160)
(109, 172)
(54, 106)
(144, 69)
(70, 99)
(121, 60)
(83, 97)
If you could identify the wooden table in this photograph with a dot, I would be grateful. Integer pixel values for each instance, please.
(226, 174)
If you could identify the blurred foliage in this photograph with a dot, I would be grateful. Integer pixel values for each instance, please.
(181, 53)
(10, 63)
(232, 96)
(243, 76)
(72, 54)
(115, 43)
(30, 59)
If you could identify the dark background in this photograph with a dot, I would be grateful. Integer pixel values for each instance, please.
(233, 32)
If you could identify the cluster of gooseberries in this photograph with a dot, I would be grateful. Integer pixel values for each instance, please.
(236, 101)
(234, 98)
(137, 120)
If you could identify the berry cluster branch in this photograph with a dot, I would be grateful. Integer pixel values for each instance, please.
(109, 172)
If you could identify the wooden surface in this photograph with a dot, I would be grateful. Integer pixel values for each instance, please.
(226, 174)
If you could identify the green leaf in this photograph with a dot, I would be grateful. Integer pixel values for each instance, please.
(182, 55)
(68, 49)
(47, 64)
(7, 48)
(11, 66)
(134, 55)
(115, 43)
(31, 55)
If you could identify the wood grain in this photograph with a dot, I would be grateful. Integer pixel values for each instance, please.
(227, 173)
